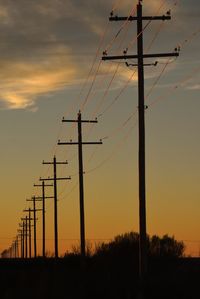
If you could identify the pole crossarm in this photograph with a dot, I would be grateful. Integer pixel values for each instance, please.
(76, 143)
(83, 121)
(52, 163)
(161, 55)
(40, 185)
(28, 217)
(57, 179)
(41, 198)
(145, 18)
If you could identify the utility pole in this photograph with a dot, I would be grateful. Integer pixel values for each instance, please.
(22, 230)
(55, 179)
(29, 218)
(79, 121)
(25, 221)
(43, 212)
(140, 56)
(17, 249)
(34, 210)
(22, 238)
(29, 229)
(20, 235)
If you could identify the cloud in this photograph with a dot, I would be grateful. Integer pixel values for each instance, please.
(194, 87)
(23, 81)
(48, 45)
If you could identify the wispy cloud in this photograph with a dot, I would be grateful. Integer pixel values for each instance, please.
(23, 81)
(194, 87)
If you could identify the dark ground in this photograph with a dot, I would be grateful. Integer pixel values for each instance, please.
(117, 279)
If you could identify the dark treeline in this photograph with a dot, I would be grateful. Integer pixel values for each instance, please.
(110, 271)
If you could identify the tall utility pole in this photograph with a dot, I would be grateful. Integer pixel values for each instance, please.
(42, 198)
(34, 210)
(141, 113)
(79, 121)
(55, 179)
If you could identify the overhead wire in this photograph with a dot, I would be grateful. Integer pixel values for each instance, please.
(95, 75)
(181, 45)
(148, 23)
(135, 71)
(154, 84)
(126, 26)
(94, 78)
(117, 147)
(122, 90)
(176, 86)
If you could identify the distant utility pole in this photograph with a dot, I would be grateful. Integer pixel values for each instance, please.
(17, 246)
(25, 221)
(34, 210)
(22, 225)
(55, 179)
(79, 121)
(42, 198)
(29, 229)
(141, 113)
(21, 240)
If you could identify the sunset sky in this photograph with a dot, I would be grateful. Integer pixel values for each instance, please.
(50, 67)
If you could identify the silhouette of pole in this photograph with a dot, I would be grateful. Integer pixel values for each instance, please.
(34, 210)
(23, 239)
(26, 235)
(29, 217)
(55, 207)
(81, 186)
(34, 228)
(142, 184)
(141, 119)
(55, 179)
(43, 219)
(15, 250)
(43, 212)
(79, 121)
(17, 244)
(29, 230)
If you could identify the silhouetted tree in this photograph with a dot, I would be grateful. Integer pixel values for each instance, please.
(166, 246)
(128, 245)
